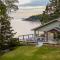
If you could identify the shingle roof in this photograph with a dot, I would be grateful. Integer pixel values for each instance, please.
(46, 24)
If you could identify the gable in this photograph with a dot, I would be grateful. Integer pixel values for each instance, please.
(55, 29)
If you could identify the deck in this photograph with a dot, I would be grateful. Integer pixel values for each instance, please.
(27, 39)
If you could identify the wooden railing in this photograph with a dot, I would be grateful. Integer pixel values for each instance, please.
(27, 39)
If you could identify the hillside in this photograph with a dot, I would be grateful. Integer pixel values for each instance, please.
(34, 18)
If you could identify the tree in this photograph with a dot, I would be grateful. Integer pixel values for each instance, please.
(55, 5)
(44, 18)
(6, 34)
(51, 12)
(10, 5)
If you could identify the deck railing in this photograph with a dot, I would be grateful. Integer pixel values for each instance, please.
(27, 39)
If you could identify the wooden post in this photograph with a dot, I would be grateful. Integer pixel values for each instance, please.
(38, 33)
(46, 36)
(28, 36)
(32, 35)
(35, 37)
(23, 37)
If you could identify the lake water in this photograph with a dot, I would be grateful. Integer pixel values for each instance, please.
(24, 27)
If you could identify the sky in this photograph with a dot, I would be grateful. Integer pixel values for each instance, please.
(33, 2)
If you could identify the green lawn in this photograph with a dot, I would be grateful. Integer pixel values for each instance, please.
(32, 53)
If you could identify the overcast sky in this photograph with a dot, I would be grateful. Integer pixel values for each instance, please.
(33, 2)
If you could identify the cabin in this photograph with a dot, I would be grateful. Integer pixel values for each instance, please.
(51, 32)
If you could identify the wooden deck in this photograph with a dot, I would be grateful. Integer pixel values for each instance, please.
(27, 39)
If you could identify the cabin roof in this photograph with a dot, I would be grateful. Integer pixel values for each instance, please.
(50, 22)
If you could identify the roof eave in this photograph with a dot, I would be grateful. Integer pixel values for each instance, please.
(44, 25)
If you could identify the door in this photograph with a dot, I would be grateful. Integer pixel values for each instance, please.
(50, 37)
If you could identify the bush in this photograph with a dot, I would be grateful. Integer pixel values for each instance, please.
(13, 43)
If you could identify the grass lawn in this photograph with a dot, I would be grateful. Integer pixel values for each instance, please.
(32, 53)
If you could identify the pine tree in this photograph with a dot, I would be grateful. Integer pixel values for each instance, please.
(10, 4)
(51, 12)
(6, 31)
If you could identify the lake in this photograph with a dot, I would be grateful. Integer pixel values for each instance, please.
(24, 27)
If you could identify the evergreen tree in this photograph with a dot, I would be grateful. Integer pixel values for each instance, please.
(55, 5)
(51, 12)
(10, 4)
(6, 34)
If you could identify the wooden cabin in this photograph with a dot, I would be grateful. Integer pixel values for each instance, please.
(51, 32)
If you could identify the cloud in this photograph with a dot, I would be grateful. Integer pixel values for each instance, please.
(22, 2)
(36, 3)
